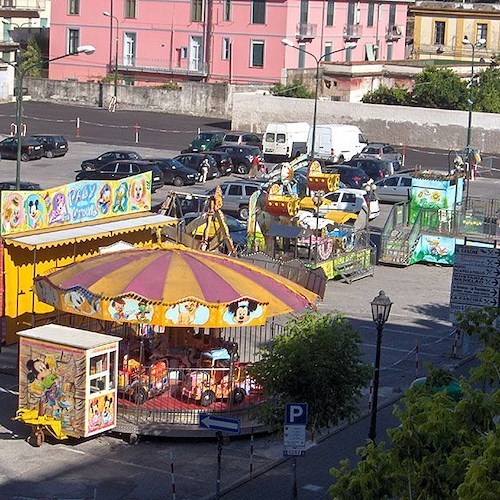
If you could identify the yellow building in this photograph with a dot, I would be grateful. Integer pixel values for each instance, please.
(440, 27)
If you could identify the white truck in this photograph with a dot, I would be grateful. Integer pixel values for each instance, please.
(335, 142)
(285, 141)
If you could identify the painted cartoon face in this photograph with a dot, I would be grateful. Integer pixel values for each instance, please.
(242, 314)
(190, 306)
(119, 306)
(42, 370)
(138, 191)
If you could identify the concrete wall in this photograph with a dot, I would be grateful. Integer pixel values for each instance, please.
(417, 127)
(400, 125)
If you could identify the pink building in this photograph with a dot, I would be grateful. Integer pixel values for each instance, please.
(237, 41)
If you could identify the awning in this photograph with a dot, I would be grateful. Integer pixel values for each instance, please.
(290, 232)
(90, 231)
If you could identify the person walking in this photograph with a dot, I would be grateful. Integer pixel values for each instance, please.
(204, 170)
(254, 169)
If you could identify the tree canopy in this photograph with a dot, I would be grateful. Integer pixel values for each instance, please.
(294, 89)
(31, 61)
(317, 361)
(443, 448)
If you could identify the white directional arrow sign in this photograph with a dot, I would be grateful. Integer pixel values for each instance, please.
(223, 424)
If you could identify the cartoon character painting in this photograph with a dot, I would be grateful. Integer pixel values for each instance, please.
(242, 312)
(188, 312)
(43, 379)
(120, 202)
(104, 201)
(108, 410)
(79, 301)
(138, 194)
(35, 211)
(59, 213)
(117, 309)
(12, 214)
(95, 415)
(144, 312)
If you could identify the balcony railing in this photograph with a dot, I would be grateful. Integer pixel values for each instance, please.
(22, 5)
(162, 66)
(394, 32)
(352, 32)
(305, 32)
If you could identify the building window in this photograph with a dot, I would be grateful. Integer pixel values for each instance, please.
(348, 55)
(327, 55)
(257, 55)
(371, 12)
(73, 6)
(389, 51)
(73, 40)
(351, 13)
(302, 55)
(439, 28)
(392, 14)
(226, 48)
(330, 7)
(227, 10)
(130, 11)
(258, 11)
(197, 10)
(304, 10)
(482, 32)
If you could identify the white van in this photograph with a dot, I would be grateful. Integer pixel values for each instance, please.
(336, 143)
(285, 141)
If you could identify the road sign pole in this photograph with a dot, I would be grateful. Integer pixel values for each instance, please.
(294, 475)
(219, 463)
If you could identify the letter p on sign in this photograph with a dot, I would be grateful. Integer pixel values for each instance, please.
(296, 414)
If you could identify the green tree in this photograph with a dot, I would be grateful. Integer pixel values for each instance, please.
(439, 88)
(32, 58)
(486, 96)
(317, 361)
(443, 448)
(385, 95)
(294, 89)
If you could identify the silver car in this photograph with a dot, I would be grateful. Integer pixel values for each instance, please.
(394, 188)
(381, 151)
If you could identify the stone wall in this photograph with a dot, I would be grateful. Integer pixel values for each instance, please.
(417, 127)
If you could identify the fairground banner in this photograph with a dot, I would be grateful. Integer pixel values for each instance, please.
(81, 201)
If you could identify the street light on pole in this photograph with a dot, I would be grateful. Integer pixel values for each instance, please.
(20, 73)
(381, 307)
(347, 46)
(115, 76)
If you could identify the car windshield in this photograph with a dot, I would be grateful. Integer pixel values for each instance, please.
(204, 136)
(231, 138)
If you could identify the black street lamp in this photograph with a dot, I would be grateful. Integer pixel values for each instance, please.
(20, 73)
(381, 307)
(115, 76)
(347, 46)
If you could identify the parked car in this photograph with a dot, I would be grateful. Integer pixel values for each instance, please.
(174, 172)
(31, 149)
(352, 177)
(224, 162)
(381, 151)
(53, 144)
(193, 160)
(237, 229)
(394, 188)
(242, 156)
(242, 139)
(24, 186)
(345, 199)
(105, 158)
(204, 141)
(236, 196)
(376, 169)
(124, 168)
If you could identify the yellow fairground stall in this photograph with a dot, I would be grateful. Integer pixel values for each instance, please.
(67, 382)
(49, 229)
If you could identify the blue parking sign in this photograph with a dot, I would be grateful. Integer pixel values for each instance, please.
(296, 414)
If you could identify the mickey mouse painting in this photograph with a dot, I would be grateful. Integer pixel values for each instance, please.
(242, 312)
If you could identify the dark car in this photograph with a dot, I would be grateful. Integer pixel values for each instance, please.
(124, 168)
(174, 172)
(193, 160)
(204, 141)
(352, 177)
(105, 158)
(242, 156)
(53, 145)
(31, 149)
(24, 186)
(376, 169)
(224, 162)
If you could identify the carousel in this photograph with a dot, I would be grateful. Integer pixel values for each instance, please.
(190, 325)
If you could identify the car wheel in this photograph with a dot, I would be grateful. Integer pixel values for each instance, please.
(241, 168)
(178, 182)
(49, 154)
(24, 157)
(87, 167)
(243, 212)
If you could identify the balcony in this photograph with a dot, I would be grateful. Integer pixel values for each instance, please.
(305, 32)
(21, 8)
(160, 66)
(393, 33)
(352, 32)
